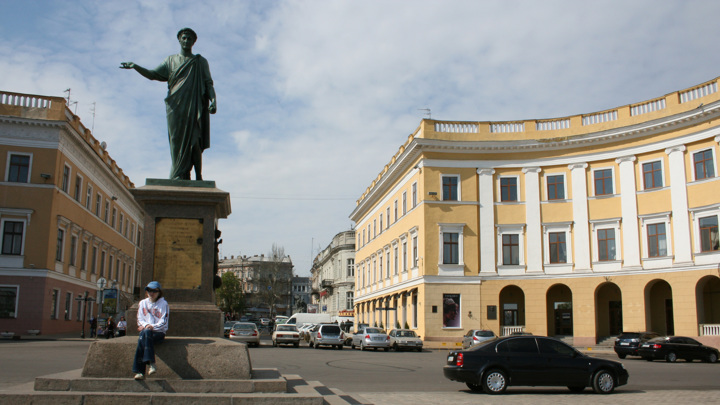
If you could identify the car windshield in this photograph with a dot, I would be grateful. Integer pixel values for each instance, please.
(244, 326)
(331, 329)
(484, 333)
(229, 324)
(405, 333)
(286, 328)
(629, 336)
(374, 330)
(484, 344)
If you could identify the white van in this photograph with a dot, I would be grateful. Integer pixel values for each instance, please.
(300, 318)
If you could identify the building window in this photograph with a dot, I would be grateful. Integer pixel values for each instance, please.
(349, 297)
(8, 301)
(12, 242)
(374, 228)
(66, 179)
(106, 218)
(73, 250)
(88, 197)
(18, 168)
(93, 261)
(110, 268)
(603, 182)
(59, 247)
(404, 256)
(387, 215)
(78, 314)
(396, 260)
(508, 189)
(606, 244)
(709, 234)
(511, 249)
(652, 175)
(102, 264)
(83, 256)
(558, 249)
(351, 267)
(98, 200)
(556, 187)
(68, 305)
(703, 163)
(381, 223)
(54, 304)
(78, 188)
(120, 224)
(414, 251)
(450, 248)
(404, 202)
(380, 268)
(450, 188)
(414, 195)
(657, 240)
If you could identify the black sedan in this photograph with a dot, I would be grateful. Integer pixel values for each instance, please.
(493, 365)
(671, 348)
(627, 343)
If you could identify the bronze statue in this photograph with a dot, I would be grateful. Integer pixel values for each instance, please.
(189, 103)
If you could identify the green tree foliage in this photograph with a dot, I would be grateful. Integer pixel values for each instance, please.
(230, 296)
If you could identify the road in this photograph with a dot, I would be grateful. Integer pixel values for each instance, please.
(395, 378)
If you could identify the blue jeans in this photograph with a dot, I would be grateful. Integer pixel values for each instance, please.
(145, 352)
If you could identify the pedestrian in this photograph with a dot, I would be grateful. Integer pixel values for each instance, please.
(93, 326)
(110, 328)
(152, 319)
(121, 326)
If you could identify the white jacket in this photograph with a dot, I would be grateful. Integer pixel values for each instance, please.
(153, 313)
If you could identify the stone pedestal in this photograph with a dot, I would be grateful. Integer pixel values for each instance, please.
(179, 251)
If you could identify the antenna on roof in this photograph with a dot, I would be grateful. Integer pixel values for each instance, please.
(92, 110)
(68, 97)
(427, 111)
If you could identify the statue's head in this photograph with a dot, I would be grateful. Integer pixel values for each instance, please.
(189, 32)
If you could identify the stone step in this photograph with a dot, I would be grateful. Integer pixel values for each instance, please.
(267, 381)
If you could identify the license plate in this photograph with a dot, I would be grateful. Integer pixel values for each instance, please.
(646, 345)
(450, 358)
(624, 344)
(378, 339)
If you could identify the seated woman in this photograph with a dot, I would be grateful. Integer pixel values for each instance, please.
(152, 319)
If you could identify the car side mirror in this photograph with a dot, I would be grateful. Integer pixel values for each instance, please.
(419, 337)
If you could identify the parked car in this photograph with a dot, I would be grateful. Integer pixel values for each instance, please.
(285, 335)
(672, 348)
(228, 326)
(475, 336)
(405, 339)
(628, 342)
(374, 338)
(327, 335)
(493, 365)
(246, 332)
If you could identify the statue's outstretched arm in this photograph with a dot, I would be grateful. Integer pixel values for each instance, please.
(130, 65)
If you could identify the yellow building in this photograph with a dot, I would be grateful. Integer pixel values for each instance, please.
(67, 219)
(580, 227)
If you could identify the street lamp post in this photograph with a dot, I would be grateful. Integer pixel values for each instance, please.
(84, 298)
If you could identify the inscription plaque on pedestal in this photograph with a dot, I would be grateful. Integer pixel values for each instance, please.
(178, 252)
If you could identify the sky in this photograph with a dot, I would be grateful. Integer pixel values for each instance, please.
(314, 97)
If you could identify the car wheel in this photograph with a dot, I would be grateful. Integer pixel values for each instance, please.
(419, 349)
(712, 358)
(648, 359)
(576, 388)
(474, 387)
(386, 349)
(603, 382)
(395, 347)
(671, 357)
(622, 356)
(494, 382)
(296, 344)
(339, 347)
(317, 346)
(362, 347)
(274, 343)
(352, 346)
(310, 344)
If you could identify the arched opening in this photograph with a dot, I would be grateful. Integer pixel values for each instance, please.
(559, 309)
(608, 310)
(708, 305)
(512, 310)
(659, 307)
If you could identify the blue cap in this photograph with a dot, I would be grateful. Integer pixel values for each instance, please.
(153, 285)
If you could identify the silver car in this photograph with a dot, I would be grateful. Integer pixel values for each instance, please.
(327, 335)
(475, 336)
(405, 339)
(371, 338)
(246, 332)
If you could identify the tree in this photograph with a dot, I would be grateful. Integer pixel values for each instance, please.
(274, 278)
(229, 296)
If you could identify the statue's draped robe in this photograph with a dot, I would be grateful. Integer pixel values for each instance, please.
(186, 104)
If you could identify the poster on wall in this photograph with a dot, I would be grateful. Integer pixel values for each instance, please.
(451, 310)
(312, 308)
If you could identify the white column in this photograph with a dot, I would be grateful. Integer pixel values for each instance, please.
(533, 230)
(678, 198)
(628, 204)
(487, 221)
(581, 230)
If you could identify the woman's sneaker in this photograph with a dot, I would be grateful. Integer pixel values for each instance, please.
(151, 369)
(139, 376)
